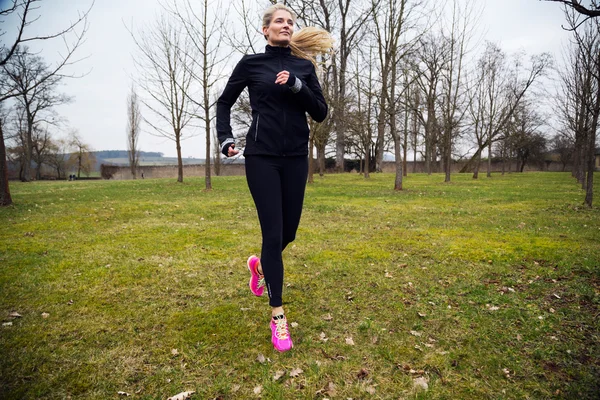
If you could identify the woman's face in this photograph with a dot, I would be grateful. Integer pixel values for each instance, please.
(279, 32)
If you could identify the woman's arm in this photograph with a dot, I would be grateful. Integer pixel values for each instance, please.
(310, 94)
(236, 84)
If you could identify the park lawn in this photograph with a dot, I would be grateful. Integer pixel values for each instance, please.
(485, 289)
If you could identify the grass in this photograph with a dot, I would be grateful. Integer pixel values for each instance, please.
(487, 289)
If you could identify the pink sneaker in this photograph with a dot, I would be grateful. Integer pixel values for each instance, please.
(280, 334)
(257, 281)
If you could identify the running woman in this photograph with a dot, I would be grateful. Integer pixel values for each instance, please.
(283, 88)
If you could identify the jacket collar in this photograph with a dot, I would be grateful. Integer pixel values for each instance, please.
(275, 50)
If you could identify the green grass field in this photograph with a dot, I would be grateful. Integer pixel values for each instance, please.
(486, 289)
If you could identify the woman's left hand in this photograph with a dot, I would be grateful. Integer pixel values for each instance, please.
(282, 78)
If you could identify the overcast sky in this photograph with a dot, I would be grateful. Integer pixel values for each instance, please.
(98, 111)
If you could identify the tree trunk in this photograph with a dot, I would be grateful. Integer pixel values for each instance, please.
(399, 163)
(207, 171)
(477, 164)
(179, 160)
(489, 163)
(28, 149)
(591, 159)
(5, 199)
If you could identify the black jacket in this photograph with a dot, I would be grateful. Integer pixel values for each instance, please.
(279, 126)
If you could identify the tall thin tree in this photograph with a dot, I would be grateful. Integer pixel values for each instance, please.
(134, 119)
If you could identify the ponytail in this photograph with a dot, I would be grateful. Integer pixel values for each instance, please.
(309, 42)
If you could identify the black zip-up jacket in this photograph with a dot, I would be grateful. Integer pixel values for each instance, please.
(279, 126)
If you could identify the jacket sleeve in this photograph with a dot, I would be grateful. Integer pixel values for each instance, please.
(236, 84)
(312, 96)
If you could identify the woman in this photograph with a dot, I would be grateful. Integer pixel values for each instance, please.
(283, 87)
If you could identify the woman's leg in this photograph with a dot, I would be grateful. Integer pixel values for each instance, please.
(293, 185)
(263, 175)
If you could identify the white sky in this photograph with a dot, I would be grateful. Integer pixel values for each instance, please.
(99, 111)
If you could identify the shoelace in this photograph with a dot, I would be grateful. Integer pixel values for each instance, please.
(261, 283)
(281, 329)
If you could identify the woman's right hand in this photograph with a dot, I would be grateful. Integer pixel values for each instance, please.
(231, 151)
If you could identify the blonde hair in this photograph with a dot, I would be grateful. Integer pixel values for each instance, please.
(308, 42)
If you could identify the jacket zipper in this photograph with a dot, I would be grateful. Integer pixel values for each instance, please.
(256, 130)
(283, 109)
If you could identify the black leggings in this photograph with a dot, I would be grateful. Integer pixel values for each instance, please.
(277, 186)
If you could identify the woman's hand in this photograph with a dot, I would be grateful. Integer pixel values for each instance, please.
(232, 151)
(282, 78)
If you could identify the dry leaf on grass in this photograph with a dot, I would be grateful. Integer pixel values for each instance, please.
(416, 333)
(182, 396)
(370, 389)
(296, 372)
(328, 317)
(261, 359)
(123, 394)
(7, 324)
(323, 337)
(258, 389)
(45, 315)
(15, 314)
(278, 375)
(328, 390)
(349, 341)
(420, 383)
(174, 352)
(294, 324)
(362, 374)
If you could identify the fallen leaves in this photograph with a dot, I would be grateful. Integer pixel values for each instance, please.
(261, 358)
(45, 315)
(328, 317)
(15, 314)
(420, 383)
(362, 374)
(182, 396)
(328, 390)
(278, 375)
(295, 372)
(349, 341)
(125, 394)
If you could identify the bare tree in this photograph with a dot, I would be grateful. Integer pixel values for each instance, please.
(204, 32)
(453, 107)
(582, 84)
(35, 85)
(81, 156)
(432, 59)
(390, 18)
(166, 65)
(5, 198)
(40, 153)
(591, 11)
(24, 10)
(517, 88)
(58, 156)
(346, 19)
(134, 118)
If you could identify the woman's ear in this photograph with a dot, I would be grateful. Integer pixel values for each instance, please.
(265, 29)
